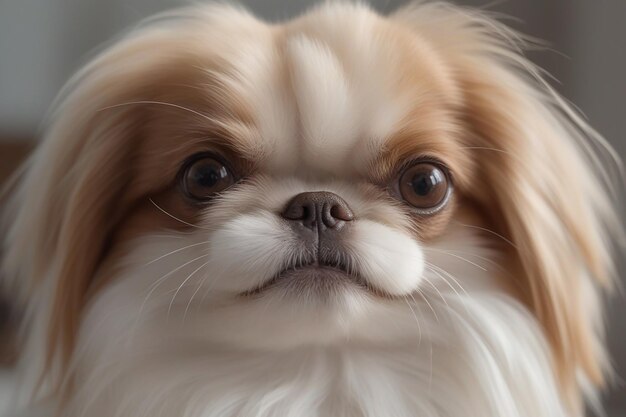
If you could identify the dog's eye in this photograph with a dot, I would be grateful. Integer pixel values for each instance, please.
(204, 177)
(425, 186)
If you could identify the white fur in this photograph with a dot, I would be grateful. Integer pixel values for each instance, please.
(467, 352)
(169, 335)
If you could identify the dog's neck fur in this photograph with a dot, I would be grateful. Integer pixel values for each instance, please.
(490, 361)
(475, 351)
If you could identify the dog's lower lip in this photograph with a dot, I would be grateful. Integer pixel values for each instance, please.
(340, 271)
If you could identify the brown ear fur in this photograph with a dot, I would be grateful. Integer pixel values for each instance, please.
(545, 198)
(544, 183)
(77, 186)
(72, 190)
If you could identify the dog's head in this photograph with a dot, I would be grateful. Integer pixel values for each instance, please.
(280, 185)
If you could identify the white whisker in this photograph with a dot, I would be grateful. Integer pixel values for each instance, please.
(436, 289)
(176, 218)
(158, 282)
(160, 103)
(423, 296)
(456, 256)
(169, 308)
(488, 231)
(435, 269)
(176, 251)
(199, 286)
(419, 328)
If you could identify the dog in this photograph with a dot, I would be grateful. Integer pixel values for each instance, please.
(342, 215)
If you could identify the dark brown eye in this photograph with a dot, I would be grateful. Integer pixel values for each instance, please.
(205, 176)
(425, 186)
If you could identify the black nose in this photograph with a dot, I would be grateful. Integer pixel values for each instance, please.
(319, 209)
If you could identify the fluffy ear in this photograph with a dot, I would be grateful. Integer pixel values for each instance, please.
(74, 190)
(548, 198)
(71, 192)
(544, 183)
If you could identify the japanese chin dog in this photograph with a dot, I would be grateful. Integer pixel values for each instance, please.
(342, 215)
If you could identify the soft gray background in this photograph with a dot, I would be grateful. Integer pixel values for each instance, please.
(43, 41)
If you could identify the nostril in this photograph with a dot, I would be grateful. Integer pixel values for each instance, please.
(335, 213)
(341, 212)
(295, 212)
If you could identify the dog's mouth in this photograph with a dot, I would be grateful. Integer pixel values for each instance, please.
(313, 277)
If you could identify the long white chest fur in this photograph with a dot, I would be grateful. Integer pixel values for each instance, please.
(482, 356)
(456, 352)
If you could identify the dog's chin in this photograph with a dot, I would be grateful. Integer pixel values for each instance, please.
(312, 284)
(308, 305)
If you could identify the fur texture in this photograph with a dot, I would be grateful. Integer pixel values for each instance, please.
(140, 303)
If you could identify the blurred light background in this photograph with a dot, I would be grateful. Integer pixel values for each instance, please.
(42, 42)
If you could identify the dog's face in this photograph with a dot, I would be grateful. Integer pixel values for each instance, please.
(292, 174)
(310, 183)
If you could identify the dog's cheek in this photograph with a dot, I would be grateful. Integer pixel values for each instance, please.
(390, 260)
(247, 251)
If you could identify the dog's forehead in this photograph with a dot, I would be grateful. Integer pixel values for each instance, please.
(328, 93)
